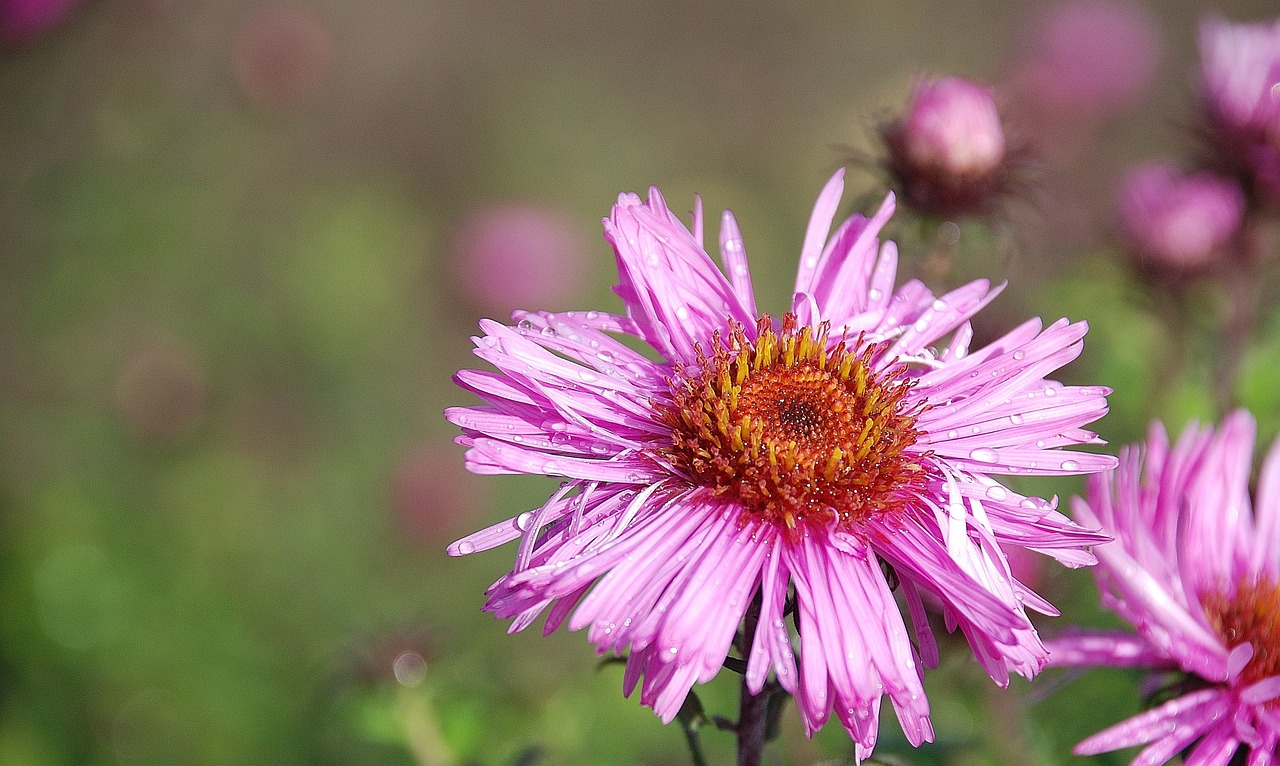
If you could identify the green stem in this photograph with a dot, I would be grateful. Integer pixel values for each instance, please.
(752, 708)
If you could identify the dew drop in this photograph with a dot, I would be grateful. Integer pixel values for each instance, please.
(953, 434)
(599, 448)
(977, 429)
(1018, 355)
(997, 492)
(875, 294)
(549, 331)
(517, 438)
(1070, 465)
(524, 325)
(524, 520)
(921, 325)
(1050, 392)
(732, 245)
(605, 356)
(592, 315)
(983, 455)
(939, 305)
(465, 548)
(1016, 419)
(740, 269)
(682, 313)
(550, 466)
(588, 377)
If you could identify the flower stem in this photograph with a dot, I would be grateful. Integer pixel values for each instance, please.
(752, 708)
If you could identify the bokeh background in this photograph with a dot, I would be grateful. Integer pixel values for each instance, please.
(243, 245)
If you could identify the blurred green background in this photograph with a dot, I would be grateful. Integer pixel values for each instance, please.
(231, 302)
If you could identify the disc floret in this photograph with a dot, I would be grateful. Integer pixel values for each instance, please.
(797, 430)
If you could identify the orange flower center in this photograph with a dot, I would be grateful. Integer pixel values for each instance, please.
(1251, 615)
(795, 430)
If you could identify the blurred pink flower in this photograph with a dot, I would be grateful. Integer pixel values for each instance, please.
(1178, 223)
(1088, 58)
(1195, 568)
(23, 20)
(517, 255)
(947, 151)
(161, 392)
(434, 498)
(282, 54)
(752, 470)
(1240, 88)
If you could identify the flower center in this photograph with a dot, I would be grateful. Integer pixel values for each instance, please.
(1251, 615)
(793, 429)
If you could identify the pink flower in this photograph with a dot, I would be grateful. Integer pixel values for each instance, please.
(1178, 223)
(23, 20)
(776, 469)
(1240, 66)
(1088, 58)
(1195, 567)
(282, 55)
(519, 254)
(948, 150)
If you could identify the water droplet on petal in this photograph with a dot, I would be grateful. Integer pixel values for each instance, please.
(524, 520)
(1016, 419)
(465, 548)
(997, 492)
(605, 356)
(1050, 392)
(1070, 465)
(983, 455)
(682, 313)
(874, 294)
(953, 434)
(550, 466)
(1018, 355)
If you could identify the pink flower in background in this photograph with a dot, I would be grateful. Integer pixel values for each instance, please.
(433, 498)
(1195, 567)
(1178, 223)
(1087, 59)
(282, 55)
(947, 151)
(23, 20)
(1240, 70)
(519, 254)
(825, 454)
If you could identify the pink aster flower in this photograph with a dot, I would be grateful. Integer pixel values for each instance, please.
(778, 469)
(1195, 566)
(1241, 93)
(1178, 223)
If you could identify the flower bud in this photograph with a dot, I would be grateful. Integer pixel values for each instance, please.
(1240, 91)
(1175, 223)
(948, 150)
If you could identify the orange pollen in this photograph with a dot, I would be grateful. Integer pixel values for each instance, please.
(794, 429)
(1252, 614)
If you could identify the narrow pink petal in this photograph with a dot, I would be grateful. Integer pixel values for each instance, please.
(1266, 546)
(1111, 648)
(1152, 724)
(824, 212)
(733, 253)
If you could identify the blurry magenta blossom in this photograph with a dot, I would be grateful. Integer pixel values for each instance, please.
(1240, 67)
(1195, 568)
(24, 20)
(1087, 59)
(161, 392)
(282, 55)
(434, 498)
(948, 151)
(1175, 223)
(519, 254)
